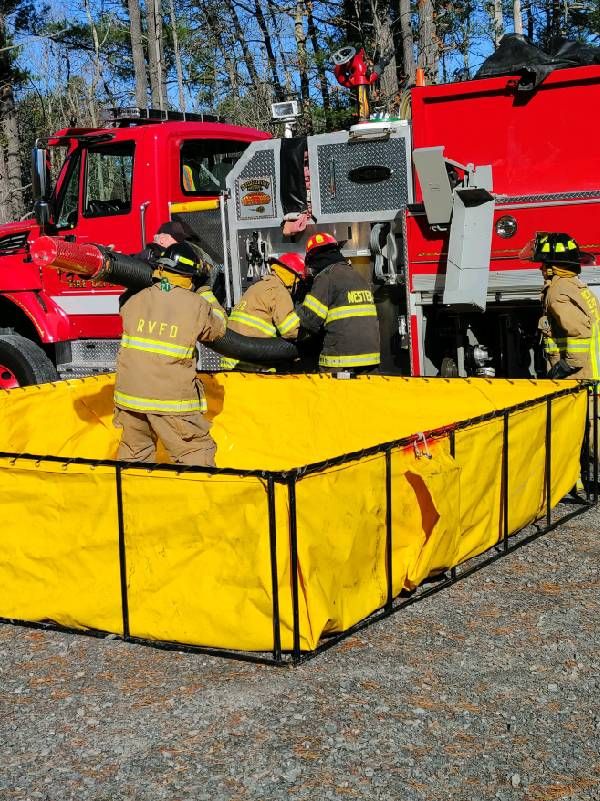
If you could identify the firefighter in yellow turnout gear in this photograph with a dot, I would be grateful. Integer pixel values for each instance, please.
(157, 392)
(266, 309)
(571, 322)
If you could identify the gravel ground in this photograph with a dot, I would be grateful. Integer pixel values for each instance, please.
(486, 690)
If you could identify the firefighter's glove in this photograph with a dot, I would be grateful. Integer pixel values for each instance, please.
(561, 369)
(544, 326)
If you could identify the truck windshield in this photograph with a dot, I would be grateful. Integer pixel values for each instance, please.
(205, 163)
(108, 179)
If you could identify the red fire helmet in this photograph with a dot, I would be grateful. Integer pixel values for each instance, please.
(318, 240)
(292, 261)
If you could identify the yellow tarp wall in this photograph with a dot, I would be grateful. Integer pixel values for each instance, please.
(197, 554)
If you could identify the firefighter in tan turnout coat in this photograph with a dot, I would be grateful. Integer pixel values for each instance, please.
(266, 309)
(157, 392)
(571, 322)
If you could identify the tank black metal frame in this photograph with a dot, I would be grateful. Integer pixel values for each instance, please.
(277, 656)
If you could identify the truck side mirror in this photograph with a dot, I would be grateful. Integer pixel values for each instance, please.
(41, 188)
(41, 212)
(40, 178)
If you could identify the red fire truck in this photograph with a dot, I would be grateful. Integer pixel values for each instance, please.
(434, 209)
(116, 186)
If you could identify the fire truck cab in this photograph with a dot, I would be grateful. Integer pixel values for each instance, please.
(115, 187)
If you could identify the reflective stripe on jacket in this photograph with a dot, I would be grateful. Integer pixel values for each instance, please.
(156, 366)
(264, 310)
(574, 316)
(341, 303)
(209, 296)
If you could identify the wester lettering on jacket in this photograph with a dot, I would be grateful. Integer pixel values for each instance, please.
(154, 327)
(360, 296)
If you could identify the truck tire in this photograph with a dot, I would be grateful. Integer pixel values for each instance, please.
(22, 363)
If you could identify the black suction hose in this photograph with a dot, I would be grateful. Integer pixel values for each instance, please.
(124, 270)
(135, 274)
(255, 349)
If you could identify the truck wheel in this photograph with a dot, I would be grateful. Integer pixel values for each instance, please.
(22, 362)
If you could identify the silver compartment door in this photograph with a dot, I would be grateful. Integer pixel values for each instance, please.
(336, 196)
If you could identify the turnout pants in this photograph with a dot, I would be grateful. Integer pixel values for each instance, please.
(186, 437)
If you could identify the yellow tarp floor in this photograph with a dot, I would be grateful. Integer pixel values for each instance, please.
(194, 562)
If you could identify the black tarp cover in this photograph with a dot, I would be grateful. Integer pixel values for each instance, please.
(293, 182)
(516, 55)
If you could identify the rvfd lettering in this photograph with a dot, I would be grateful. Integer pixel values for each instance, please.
(154, 327)
(360, 296)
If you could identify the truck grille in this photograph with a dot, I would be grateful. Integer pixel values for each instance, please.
(13, 243)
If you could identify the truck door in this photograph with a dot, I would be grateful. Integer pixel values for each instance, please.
(94, 204)
(95, 200)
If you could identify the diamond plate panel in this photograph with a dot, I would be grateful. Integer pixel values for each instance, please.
(207, 227)
(340, 195)
(94, 351)
(207, 359)
(591, 194)
(89, 357)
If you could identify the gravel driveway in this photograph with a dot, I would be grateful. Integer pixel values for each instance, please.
(489, 689)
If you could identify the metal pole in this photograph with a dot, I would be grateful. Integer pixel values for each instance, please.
(143, 207)
(505, 480)
(388, 528)
(122, 554)
(585, 448)
(452, 440)
(228, 302)
(294, 564)
(595, 430)
(548, 461)
(274, 573)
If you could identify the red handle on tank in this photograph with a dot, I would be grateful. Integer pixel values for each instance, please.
(50, 251)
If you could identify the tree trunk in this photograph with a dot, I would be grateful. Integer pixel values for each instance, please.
(388, 81)
(177, 57)
(6, 212)
(428, 48)
(97, 66)
(314, 41)
(137, 52)
(517, 16)
(10, 131)
(271, 58)
(529, 15)
(11, 187)
(498, 22)
(240, 36)
(300, 37)
(274, 15)
(408, 43)
(155, 57)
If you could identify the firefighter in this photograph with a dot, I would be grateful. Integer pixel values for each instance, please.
(169, 233)
(266, 309)
(157, 392)
(340, 306)
(571, 323)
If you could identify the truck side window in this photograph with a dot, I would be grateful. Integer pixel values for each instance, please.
(205, 164)
(68, 199)
(108, 180)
